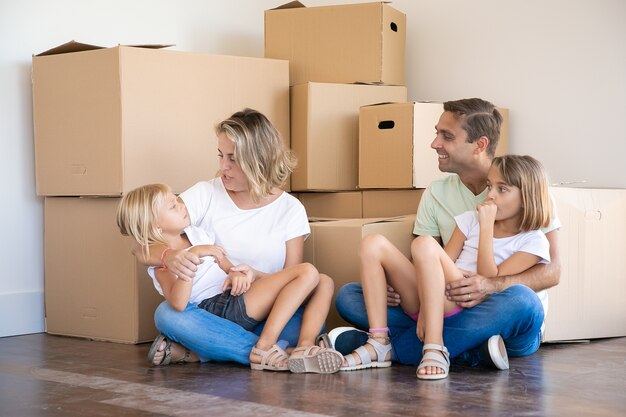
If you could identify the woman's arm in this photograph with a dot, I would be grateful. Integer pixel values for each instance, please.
(179, 261)
(295, 251)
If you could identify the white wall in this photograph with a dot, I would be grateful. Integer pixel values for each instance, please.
(559, 66)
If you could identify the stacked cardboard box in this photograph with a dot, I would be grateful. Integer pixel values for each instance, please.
(107, 120)
(341, 58)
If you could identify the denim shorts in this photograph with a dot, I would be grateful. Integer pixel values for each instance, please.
(232, 308)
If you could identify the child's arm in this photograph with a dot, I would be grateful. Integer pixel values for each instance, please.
(179, 261)
(216, 252)
(455, 245)
(517, 263)
(176, 291)
(486, 263)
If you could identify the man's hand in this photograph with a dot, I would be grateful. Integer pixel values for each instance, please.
(393, 298)
(471, 290)
(182, 263)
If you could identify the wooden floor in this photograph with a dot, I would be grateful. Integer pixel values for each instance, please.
(43, 375)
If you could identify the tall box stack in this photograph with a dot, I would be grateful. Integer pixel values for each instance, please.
(107, 120)
(340, 58)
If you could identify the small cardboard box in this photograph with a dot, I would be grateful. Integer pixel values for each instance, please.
(107, 120)
(589, 302)
(325, 129)
(333, 247)
(94, 287)
(361, 204)
(394, 144)
(350, 43)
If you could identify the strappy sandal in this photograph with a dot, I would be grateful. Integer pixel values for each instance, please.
(366, 359)
(270, 359)
(167, 358)
(439, 359)
(316, 360)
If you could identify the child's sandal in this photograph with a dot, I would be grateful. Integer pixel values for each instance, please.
(439, 359)
(270, 359)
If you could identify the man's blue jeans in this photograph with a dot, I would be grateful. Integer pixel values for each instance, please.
(213, 338)
(515, 313)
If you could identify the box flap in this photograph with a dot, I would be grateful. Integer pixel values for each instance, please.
(290, 5)
(73, 46)
(68, 47)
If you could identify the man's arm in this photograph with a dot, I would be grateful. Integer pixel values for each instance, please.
(474, 289)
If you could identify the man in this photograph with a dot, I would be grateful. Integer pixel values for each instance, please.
(497, 312)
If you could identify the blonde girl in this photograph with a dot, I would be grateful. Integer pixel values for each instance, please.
(501, 237)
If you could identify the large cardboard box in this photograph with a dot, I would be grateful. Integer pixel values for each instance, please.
(394, 144)
(361, 204)
(107, 120)
(94, 287)
(325, 129)
(338, 44)
(333, 247)
(589, 300)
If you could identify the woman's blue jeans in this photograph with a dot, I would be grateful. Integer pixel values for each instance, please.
(213, 338)
(515, 313)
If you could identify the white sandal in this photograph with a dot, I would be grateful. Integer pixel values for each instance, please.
(366, 359)
(439, 359)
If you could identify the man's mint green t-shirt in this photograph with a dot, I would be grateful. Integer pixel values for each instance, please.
(444, 199)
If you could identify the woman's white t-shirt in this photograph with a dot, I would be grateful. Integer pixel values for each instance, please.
(255, 237)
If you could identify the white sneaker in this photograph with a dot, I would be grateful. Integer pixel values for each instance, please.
(346, 339)
(496, 351)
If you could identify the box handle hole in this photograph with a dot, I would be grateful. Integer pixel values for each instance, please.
(394, 27)
(386, 124)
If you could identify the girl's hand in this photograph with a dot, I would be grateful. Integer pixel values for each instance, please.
(239, 282)
(487, 212)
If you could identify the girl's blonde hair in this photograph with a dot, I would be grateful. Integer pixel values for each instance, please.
(527, 174)
(259, 151)
(138, 212)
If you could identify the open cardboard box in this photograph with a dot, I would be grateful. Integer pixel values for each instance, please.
(107, 120)
(351, 43)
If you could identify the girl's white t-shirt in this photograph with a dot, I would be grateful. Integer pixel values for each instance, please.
(255, 237)
(533, 242)
(209, 277)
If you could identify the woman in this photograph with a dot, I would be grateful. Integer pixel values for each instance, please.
(256, 223)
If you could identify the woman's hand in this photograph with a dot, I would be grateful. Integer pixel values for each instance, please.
(182, 263)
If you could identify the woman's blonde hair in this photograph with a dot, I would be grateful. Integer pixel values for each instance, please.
(527, 174)
(259, 151)
(138, 212)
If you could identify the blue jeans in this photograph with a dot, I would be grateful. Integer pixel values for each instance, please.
(213, 338)
(515, 313)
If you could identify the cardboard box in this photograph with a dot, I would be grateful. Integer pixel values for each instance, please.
(394, 144)
(589, 302)
(361, 204)
(333, 248)
(324, 132)
(107, 120)
(94, 287)
(338, 44)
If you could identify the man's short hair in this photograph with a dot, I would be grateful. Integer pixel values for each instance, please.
(480, 118)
